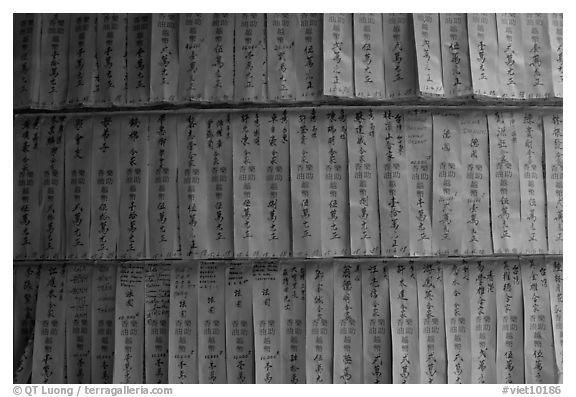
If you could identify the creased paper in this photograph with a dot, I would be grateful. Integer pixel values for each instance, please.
(555, 33)
(511, 64)
(368, 56)
(112, 59)
(26, 59)
(103, 314)
(218, 83)
(164, 58)
(483, 44)
(428, 54)
(399, 68)
(281, 56)
(81, 59)
(553, 146)
(338, 58)
(455, 55)
(53, 81)
(250, 84)
(192, 53)
(537, 53)
(554, 274)
(308, 48)
(139, 59)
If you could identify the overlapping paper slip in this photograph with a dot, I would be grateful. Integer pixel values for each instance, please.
(511, 57)
(368, 56)
(218, 82)
(428, 54)
(483, 46)
(553, 147)
(27, 30)
(192, 53)
(112, 59)
(456, 75)
(555, 32)
(308, 40)
(164, 59)
(250, 62)
(554, 274)
(53, 80)
(103, 320)
(281, 56)
(82, 59)
(338, 72)
(399, 64)
(138, 58)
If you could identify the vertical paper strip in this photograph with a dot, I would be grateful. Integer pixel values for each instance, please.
(483, 44)
(293, 322)
(105, 186)
(363, 182)
(348, 360)
(428, 54)
(539, 358)
(218, 83)
(399, 56)
(164, 58)
(368, 56)
(376, 326)
(319, 321)
(476, 237)
(183, 325)
(457, 320)
(26, 59)
(530, 150)
(554, 273)
(129, 326)
(49, 329)
(537, 54)
(81, 59)
(164, 241)
(103, 314)
(239, 326)
(248, 183)
(250, 84)
(333, 174)
(483, 320)
(553, 146)
(281, 56)
(139, 59)
(305, 184)
(404, 322)
(447, 202)
(77, 183)
(338, 57)
(393, 185)
(510, 322)
(455, 55)
(504, 183)
(192, 53)
(79, 325)
(211, 322)
(133, 172)
(156, 311)
(511, 65)
(308, 48)
(266, 295)
(556, 35)
(53, 81)
(112, 59)
(418, 127)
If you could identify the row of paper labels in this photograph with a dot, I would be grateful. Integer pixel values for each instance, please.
(108, 60)
(318, 182)
(481, 320)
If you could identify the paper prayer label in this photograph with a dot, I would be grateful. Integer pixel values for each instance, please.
(348, 358)
(555, 34)
(81, 59)
(78, 300)
(376, 342)
(139, 59)
(476, 238)
(293, 322)
(539, 362)
(447, 205)
(192, 53)
(281, 56)
(133, 174)
(553, 146)
(239, 328)
(218, 83)
(457, 320)
(418, 131)
(309, 62)
(266, 295)
(510, 322)
(250, 84)
(455, 56)
(393, 185)
(554, 273)
(483, 320)
(504, 183)
(211, 322)
(338, 59)
(53, 80)
(399, 67)
(363, 182)
(103, 314)
(483, 44)
(428, 54)
(333, 175)
(183, 325)
(162, 192)
(537, 53)
(105, 186)
(26, 59)
(368, 56)
(49, 351)
(25, 292)
(112, 59)
(319, 321)
(78, 186)
(164, 58)
(404, 321)
(432, 333)
(511, 64)
(27, 177)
